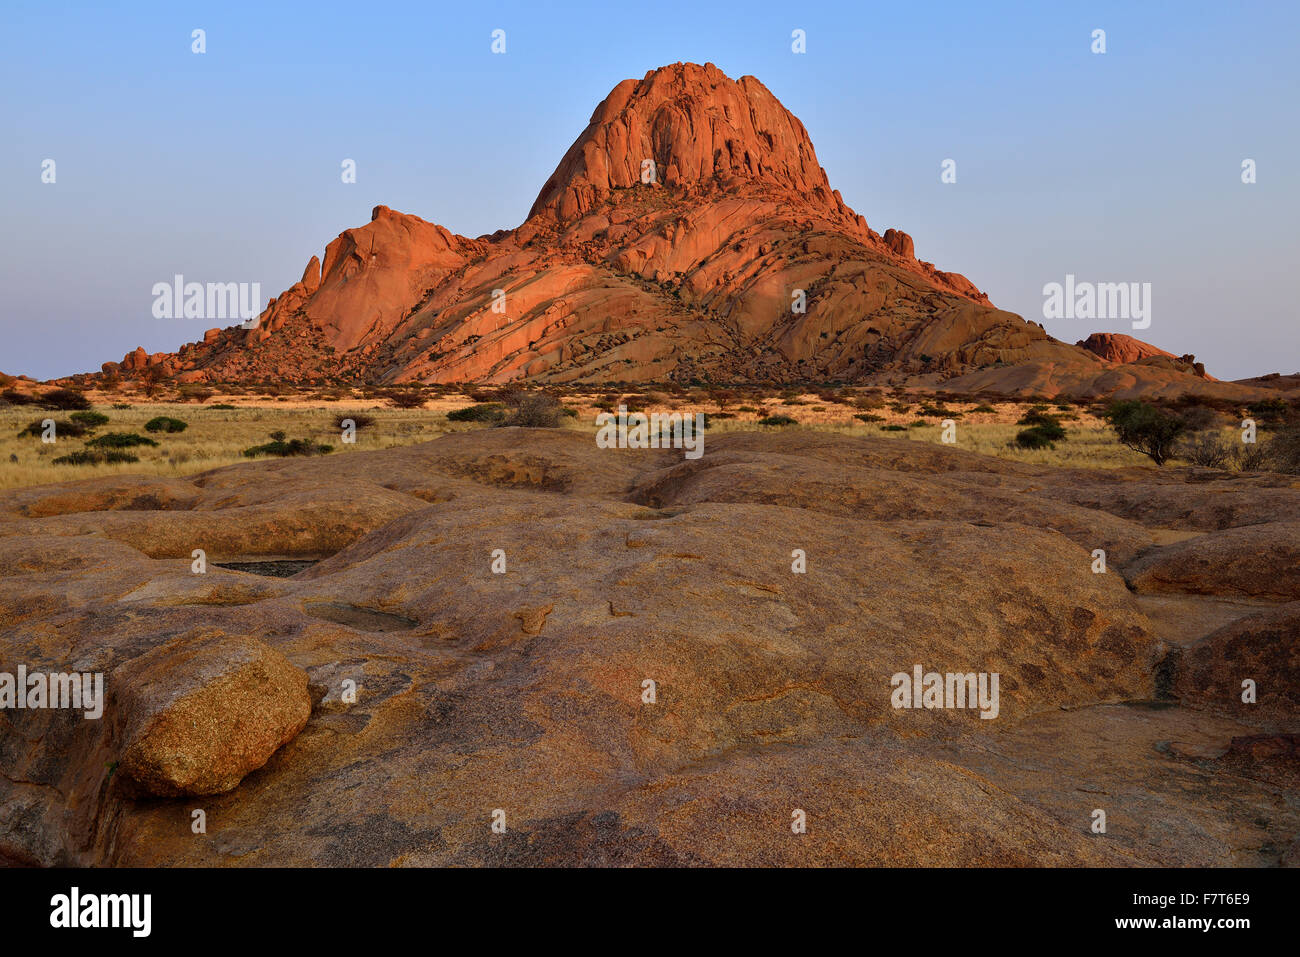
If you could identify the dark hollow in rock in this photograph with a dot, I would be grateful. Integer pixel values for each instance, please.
(281, 569)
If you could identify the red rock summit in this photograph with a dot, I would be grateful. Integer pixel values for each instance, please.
(735, 261)
(699, 127)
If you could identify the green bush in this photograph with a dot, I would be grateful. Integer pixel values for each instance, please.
(91, 420)
(869, 417)
(278, 446)
(87, 457)
(1145, 428)
(938, 412)
(119, 440)
(893, 428)
(984, 407)
(483, 412)
(778, 420)
(1035, 438)
(1043, 423)
(163, 423)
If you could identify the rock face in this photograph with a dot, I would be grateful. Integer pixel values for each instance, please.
(734, 260)
(698, 127)
(200, 712)
(1119, 348)
(443, 690)
(1116, 347)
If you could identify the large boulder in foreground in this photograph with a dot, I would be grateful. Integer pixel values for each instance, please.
(1253, 561)
(199, 713)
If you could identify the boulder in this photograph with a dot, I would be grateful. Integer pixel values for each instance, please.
(198, 714)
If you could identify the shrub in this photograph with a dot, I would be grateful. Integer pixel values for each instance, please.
(1207, 450)
(1255, 457)
(1044, 424)
(1197, 418)
(91, 420)
(533, 410)
(127, 405)
(87, 457)
(893, 428)
(1036, 438)
(984, 407)
(483, 412)
(407, 398)
(1268, 410)
(1284, 451)
(777, 420)
(14, 397)
(64, 400)
(163, 423)
(222, 405)
(938, 412)
(61, 427)
(359, 419)
(1145, 428)
(869, 417)
(278, 446)
(119, 440)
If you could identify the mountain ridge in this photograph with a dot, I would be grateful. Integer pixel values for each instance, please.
(730, 258)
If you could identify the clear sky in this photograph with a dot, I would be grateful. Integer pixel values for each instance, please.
(225, 166)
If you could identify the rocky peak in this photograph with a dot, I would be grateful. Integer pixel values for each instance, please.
(699, 127)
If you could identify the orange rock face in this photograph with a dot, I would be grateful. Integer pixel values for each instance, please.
(1116, 347)
(689, 233)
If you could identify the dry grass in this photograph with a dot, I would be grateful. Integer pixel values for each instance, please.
(216, 437)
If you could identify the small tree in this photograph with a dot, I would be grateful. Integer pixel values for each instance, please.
(1146, 429)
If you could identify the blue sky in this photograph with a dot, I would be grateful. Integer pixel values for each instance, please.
(224, 166)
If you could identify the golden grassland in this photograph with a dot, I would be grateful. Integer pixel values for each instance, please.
(217, 436)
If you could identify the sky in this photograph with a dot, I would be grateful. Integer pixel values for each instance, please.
(225, 166)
